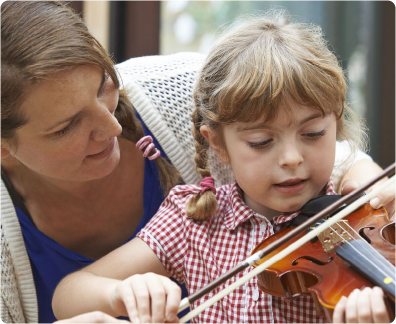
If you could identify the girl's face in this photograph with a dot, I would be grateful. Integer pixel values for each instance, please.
(283, 164)
(71, 133)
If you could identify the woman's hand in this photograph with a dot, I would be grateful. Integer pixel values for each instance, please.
(148, 298)
(386, 198)
(92, 317)
(362, 306)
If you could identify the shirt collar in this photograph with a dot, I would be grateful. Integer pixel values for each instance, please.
(240, 212)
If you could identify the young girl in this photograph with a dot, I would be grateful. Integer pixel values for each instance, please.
(270, 101)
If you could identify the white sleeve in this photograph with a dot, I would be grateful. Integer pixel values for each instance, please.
(344, 159)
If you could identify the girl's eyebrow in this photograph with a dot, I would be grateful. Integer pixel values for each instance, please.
(266, 126)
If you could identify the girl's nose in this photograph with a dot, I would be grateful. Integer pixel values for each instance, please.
(106, 126)
(291, 156)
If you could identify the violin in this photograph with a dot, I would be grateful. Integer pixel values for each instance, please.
(356, 252)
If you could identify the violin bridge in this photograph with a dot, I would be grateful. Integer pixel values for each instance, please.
(338, 233)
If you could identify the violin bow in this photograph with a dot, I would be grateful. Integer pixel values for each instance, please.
(186, 302)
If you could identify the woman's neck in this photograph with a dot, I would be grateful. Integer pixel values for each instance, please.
(79, 214)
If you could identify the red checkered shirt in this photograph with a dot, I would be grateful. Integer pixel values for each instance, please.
(196, 253)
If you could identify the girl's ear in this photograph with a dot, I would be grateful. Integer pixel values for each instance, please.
(215, 143)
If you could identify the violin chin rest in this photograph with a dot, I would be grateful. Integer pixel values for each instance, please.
(316, 205)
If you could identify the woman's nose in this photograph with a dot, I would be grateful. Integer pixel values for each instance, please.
(291, 156)
(106, 126)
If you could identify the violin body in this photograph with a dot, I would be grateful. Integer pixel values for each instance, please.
(316, 269)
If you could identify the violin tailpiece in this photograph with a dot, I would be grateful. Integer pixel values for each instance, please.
(338, 233)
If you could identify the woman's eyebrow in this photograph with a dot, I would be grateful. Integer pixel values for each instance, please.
(63, 121)
(102, 82)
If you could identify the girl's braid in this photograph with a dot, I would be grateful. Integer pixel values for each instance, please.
(202, 205)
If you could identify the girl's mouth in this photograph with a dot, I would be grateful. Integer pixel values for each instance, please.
(291, 187)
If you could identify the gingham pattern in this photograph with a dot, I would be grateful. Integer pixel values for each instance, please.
(196, 253)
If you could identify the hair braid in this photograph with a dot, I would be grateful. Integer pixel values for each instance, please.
(202, 205)
(132, 130)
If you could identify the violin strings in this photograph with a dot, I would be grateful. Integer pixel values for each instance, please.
(370, 250)
(373, 252)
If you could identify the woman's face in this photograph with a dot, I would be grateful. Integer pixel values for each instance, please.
(71, 133)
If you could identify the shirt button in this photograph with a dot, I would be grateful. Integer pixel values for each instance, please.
(256, 294)
(263, 227)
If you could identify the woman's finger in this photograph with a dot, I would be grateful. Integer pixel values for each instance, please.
(93, 317)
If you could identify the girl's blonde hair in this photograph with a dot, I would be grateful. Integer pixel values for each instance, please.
(250, 73)
(42, 38)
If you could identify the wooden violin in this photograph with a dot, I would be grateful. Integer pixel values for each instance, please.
(356, 252)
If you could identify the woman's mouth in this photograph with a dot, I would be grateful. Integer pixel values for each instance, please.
(105, 153)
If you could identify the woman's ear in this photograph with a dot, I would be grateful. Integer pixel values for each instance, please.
(215, 143)
(5, 149)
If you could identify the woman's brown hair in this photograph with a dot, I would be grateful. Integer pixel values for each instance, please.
(42, 38)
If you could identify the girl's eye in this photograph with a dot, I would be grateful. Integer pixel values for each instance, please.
(259, 145)
(314, 136)
(67, 129)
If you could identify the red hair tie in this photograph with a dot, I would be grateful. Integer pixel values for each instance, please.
(207, 184)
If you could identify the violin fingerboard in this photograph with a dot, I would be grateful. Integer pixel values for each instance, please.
(369, 263)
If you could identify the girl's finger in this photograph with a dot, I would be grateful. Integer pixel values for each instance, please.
(348, 186)
(364, 306)
(380, 313)
(158, 297)
(339, 310)
(142, 296)
(173, 293)
(129, 302)
(351, 307)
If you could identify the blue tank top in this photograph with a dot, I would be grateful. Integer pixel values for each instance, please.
(51, 262)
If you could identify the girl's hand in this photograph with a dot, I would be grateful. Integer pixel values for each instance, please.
(362, 306)
(148, 298)
(385, 198)
(92, 317)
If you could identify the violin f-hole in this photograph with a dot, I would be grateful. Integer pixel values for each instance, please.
(314, 260)
(388, 233)
(363, 235)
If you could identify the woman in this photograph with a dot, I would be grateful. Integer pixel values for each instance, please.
(75, 186)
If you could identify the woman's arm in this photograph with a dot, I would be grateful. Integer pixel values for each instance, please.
(122, 283)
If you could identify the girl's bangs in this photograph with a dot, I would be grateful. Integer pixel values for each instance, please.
(259, 85)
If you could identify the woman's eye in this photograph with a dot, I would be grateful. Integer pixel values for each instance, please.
(102, 87)
(67, 129)
(259, 145)
(313, 136)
